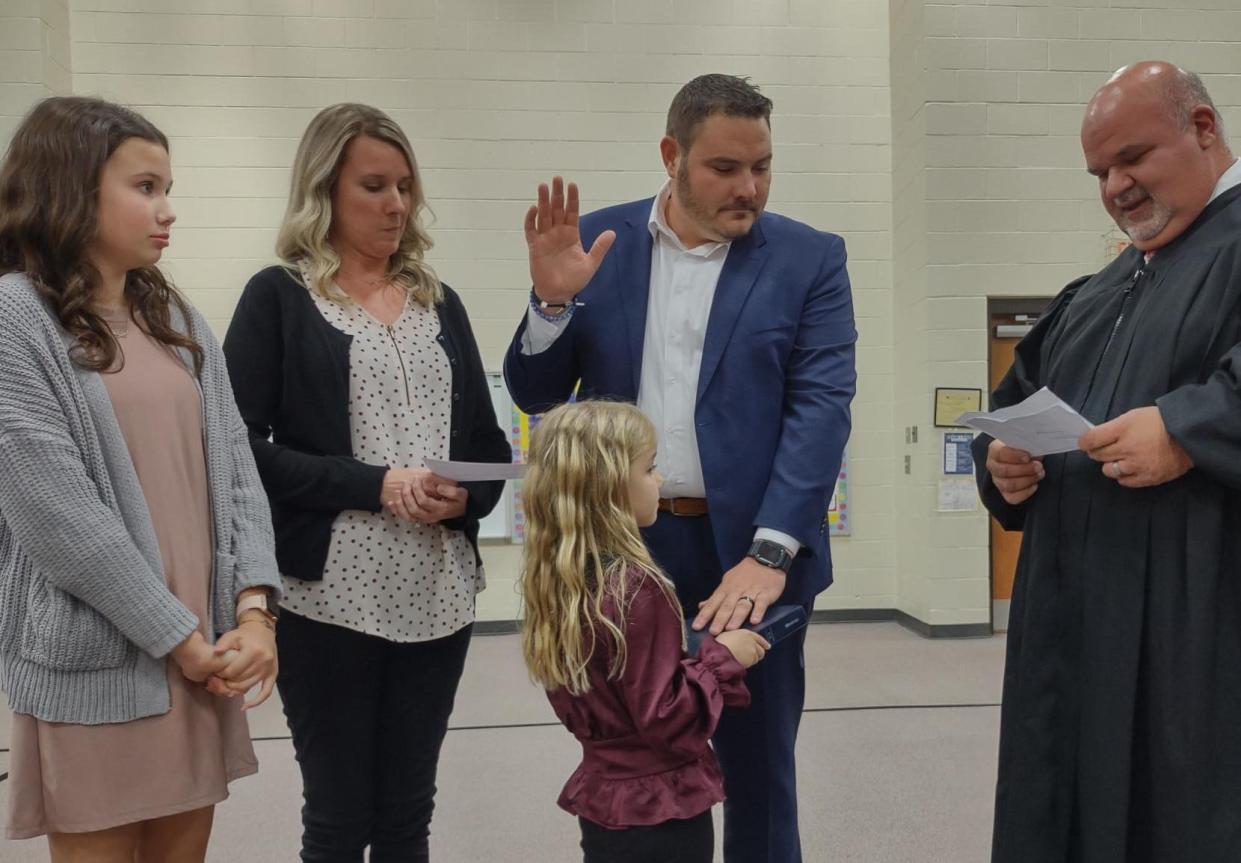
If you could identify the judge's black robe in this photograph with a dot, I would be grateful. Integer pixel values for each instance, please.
(1120, 734)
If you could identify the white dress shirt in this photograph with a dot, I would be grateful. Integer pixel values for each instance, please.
(682, 287)
(1227, 180)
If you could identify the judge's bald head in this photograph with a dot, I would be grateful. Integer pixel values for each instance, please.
(1153, 138)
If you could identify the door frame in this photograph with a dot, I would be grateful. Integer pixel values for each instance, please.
(1004, 308)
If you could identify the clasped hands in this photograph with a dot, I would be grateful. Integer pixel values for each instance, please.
(420, 496)
(1134, 450)
(242, 659)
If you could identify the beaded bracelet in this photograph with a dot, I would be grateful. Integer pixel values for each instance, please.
(566, 309)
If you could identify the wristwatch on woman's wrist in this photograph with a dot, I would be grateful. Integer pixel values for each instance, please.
(264, 603)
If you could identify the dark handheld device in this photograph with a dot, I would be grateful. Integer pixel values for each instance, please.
(780, 622)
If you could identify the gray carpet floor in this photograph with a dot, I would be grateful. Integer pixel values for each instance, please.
(896, 760)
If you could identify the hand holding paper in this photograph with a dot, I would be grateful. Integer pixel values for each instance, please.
(1135, 449)
(1040, 425)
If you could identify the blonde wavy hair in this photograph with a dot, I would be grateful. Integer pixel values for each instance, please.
(303, 239)
(582, 542)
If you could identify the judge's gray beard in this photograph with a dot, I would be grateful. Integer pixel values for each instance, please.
(1148, 227)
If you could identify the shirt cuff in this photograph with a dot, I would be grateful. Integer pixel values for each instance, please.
(541, 333)
(784, 539)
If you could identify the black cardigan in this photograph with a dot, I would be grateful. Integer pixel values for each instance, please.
(290, 374)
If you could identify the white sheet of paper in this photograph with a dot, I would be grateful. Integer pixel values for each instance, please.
(474, 471)
(1040, 425)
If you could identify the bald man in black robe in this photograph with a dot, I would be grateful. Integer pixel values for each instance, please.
(1120, 732)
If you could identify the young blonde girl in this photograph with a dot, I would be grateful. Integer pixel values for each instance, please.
(603, 634)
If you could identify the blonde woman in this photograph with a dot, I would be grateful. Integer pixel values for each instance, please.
(352, 364)
(603, 635)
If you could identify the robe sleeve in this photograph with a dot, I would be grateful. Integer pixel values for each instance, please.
(1205, 419)
(1023, 380)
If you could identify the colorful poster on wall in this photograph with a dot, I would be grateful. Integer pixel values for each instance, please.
(838, 507)
(522, 425)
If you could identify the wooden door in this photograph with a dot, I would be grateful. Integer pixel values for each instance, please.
(1005, 544)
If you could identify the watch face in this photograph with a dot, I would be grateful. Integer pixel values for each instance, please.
(771, 554)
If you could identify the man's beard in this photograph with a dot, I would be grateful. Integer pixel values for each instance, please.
(702, 215)
(1148, 228)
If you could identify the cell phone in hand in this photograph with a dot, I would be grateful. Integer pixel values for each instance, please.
(778, 623)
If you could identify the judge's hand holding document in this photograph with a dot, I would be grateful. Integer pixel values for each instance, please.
(1134, 449)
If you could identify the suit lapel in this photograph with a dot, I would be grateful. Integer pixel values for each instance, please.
(745, 260)
(632, 261)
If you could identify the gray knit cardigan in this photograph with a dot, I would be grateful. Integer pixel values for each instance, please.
(86, 618)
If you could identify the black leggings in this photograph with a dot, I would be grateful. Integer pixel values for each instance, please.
(368, 717)
(688, 841)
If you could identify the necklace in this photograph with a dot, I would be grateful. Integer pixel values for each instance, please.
(118, 326)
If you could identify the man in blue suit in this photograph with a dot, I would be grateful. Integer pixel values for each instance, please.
(733, 330)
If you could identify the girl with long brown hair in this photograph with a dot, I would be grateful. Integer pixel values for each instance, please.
(603, 634)
(136, 556)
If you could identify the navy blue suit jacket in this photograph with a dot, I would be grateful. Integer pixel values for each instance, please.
(777, 375)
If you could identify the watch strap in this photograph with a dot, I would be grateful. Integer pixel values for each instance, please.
(257, 602)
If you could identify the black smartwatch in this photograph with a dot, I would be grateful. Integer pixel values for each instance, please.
(771, 554)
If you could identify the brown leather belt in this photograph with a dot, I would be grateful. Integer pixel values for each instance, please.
(683, 505)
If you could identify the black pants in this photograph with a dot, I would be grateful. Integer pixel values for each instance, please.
(368, 717)
(689, 841)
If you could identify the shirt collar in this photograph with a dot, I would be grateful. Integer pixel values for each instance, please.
(1227, 180)
(658, 226)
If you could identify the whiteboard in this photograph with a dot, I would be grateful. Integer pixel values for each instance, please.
(498, 525)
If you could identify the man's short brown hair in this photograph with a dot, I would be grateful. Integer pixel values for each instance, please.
(713, 94)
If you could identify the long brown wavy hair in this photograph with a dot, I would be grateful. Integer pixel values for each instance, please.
(582, 542)
(49, 197)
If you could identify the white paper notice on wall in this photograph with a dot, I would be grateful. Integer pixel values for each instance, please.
(957, 494)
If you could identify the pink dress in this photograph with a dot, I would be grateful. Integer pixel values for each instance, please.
(67, 778)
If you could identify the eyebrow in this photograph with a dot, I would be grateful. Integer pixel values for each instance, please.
(726, 160)
(409, 177)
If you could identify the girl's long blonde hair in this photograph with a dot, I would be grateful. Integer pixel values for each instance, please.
(582, 539)
(303, 238)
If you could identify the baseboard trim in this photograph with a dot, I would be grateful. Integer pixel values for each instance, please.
(913, 624)
(496, 627)
(822, 615)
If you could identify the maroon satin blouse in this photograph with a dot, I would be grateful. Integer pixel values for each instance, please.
(645, 752)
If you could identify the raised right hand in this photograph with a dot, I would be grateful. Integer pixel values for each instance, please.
(196, 658)
(559, 266)
(746, 646)
(1015, 472)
